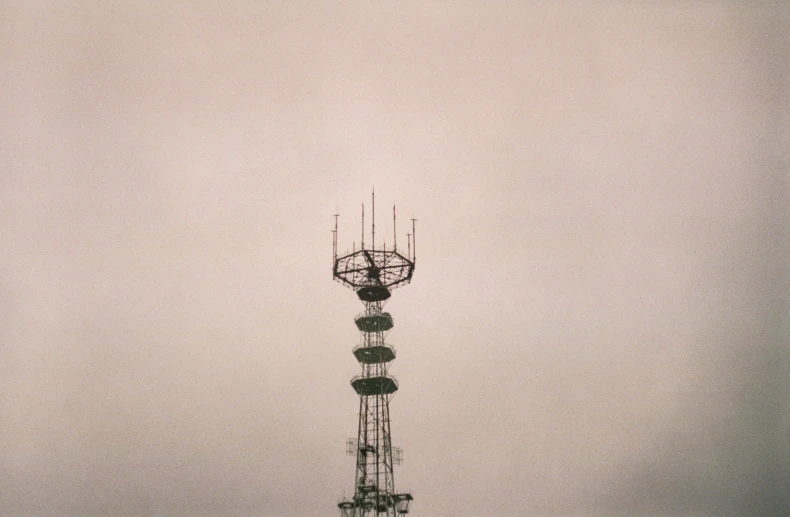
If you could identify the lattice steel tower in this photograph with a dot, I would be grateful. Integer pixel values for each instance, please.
(373, 273)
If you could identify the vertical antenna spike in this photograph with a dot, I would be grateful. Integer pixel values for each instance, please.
(414, 239)
(408, 243)
(334, 239)
(363, 227)
(394, 231)
(373, 216)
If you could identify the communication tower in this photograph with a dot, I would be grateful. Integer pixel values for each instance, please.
(373, 273)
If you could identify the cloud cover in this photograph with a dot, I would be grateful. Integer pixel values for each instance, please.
(598, 320)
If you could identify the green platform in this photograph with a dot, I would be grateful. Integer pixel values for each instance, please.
(374, 354)
(367, 386)
(374, 323)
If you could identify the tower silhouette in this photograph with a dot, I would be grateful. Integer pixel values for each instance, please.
(373, 273)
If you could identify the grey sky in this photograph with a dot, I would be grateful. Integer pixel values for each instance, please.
(598, 320)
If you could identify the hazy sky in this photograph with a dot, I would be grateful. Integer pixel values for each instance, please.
(598, 322)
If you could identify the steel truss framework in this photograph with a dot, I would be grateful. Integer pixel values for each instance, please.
(372, 274)
(362, 268)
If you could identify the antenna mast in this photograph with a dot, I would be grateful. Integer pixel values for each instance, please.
(373, 237)
(373, 273)
(414, 239)
(334, 239)
(394, 231)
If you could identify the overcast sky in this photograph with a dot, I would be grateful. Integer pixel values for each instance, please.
(598, 322)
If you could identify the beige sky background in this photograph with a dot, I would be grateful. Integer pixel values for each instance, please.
(598, 323)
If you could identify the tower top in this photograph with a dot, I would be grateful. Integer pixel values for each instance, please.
(373, 271)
